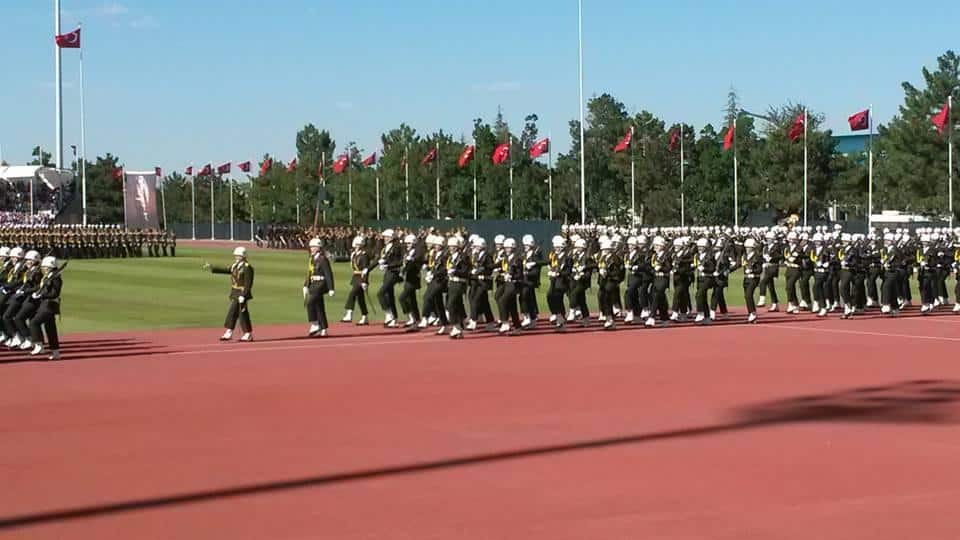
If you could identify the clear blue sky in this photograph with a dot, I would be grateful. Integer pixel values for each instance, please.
(169, 82)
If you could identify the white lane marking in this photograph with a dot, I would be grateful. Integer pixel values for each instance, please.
(860, 332)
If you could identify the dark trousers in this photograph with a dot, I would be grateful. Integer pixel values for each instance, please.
(433, 302)
(645, 291)
(497, 293)
(27, 309)
(578, 297)
(718, 300)
(805, 276)
(905, 292)
(873, 274)
(241, 312)
(317, 310)
(455, 292)
(44, 320)
(508, 304)
(658, 303)
(555, 299)
(681, 293)
(9, 313)
(926, 285)
(356, 296)
(408, 300)
(631, 297)
(846, 287)
(528, 300)
(859, 290)
(793, 275)
(749, 287)
(705, 284)
(610, 291)
(768, 282)
(386, 295)
(890, 289)
(480, 302)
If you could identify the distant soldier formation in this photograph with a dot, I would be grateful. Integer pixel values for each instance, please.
(91, 241)
(648, 276)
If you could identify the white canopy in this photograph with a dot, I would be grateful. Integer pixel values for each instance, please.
(49, 176)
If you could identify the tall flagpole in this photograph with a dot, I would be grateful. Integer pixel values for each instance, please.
(736, 180)
(193, 202)
(83, 148)
(377, 172)
(323, 184)
(250, 202)
(510, 152)
(583, 181)
(438, 177)
(231, 207)
(212, 209)
(349, 191)
(805, 167)
(870, 172)
(406, 179)
(550, 173)
(950, 157)
(475, 165)
(682, 209)
(163, 201)
(58, 91)
(633, 184)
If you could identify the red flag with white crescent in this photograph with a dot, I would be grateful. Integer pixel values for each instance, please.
(70, 40)
(265, 166)
(624, 142)
(940, 119)
(340, 164)
(796, 130)
(539, 148)
(207, 169)
(501, 153)
(188, 171)
(370, 160)
(431, 155)
(292, 166)
(224, 169)
(728, 138)
(245, 166)
(466, 156)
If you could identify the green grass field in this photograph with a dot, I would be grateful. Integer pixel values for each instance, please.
(148, 293)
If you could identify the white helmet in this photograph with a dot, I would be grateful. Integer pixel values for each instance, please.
(749, 243)
(632, 241)
(642, 240)
(770, 235)
(509, 243)
(888, 237)
(606, 244)
(924, 238)
(240, 252)
(315, 242)
(580, 243)
(558, 241)
(703, 243)
(454, 241)
(658, 241)
(792, 236)
(678, 242)
(498, 239)
(845, 237)
(479, 242)
(817, 237)
(388, 233)
(48, 262)
(357, 242)
(409, 239)
(4, 251)
(527, 240)
(16, 252)
(32, 256)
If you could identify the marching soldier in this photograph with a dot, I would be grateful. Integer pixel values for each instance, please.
(849, 260)
(410, 274)
(706, 264)
(771, 270)
(15, 268)
(683, 274)
(512, 270)
(390, 264)
(241, 292)
(482, 268)
(661, 265)
(319, 282)
(20, 293)
(821, 257)
(458, 275)
(632, 263)
(47, 300)
(436, 280)
(560, 267)
(582, 264)
(532, 261)
(610, 272)
(359, 282)
(753, 268)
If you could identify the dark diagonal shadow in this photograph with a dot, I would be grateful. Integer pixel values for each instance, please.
(919, 401)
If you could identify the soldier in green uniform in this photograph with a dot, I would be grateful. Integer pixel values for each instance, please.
(241, 292)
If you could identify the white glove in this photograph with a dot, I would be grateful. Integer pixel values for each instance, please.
(331, 293)
(364, 272)
(552, 274)
(531, 265)
(382, 262)
(305, 292)
(241, 299)
(603, 273)
(383, 268)
(429, 277)
(36, 296)
(363, 286)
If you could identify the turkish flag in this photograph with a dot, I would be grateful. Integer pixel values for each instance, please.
(796, 130)
(940, 119)
(501, 153)
(624, 142)
(292, 166)
(69, 40)
(224, 169)
(860, 121)
(158, 172)
(541, 147)
(466, 156)
(431, 155)
(188, 171)
(207, 169)
(266, 166)
(340, 164)
(370, 160)
(244, 167)
(118, 174)
(674, 140)
(728, 138)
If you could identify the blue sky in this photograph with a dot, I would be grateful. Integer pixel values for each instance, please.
(169, 82)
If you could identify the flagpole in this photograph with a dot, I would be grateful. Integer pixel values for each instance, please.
(438, 178)
(805, 173)
(349, 191)
(682, 209)
(58, 91)
(123, 179)
(736, 184)
(633, 184)
(377, 172)
(163, 202)
(475, 165)
(870, 172)
(83, 148)
(510, 152)
(250, 202)
(583, 182)
(212, 209)
(949, 127)
(193, 202)
(323, 184)
(231, 207)
(406, 179)
(550, 173)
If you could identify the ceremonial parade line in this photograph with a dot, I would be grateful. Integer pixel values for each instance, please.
(861, 332)
(318, 344)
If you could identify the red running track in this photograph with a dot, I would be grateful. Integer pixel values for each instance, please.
(790, 429)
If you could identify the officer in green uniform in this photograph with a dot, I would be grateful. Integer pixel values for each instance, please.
(241, 292)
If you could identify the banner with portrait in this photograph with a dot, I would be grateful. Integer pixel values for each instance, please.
(140, 200)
